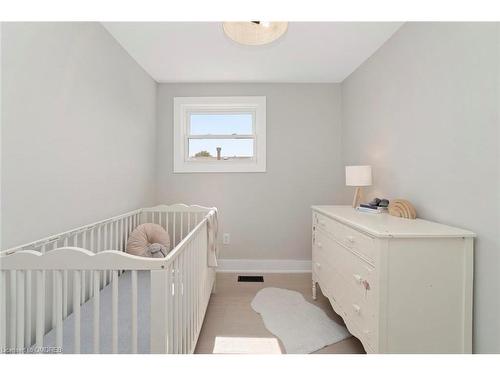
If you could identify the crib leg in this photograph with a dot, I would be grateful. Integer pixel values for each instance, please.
(314, 289)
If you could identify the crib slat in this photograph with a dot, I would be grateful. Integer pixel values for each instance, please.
(179, 303)
(83, 283)
(197, 274)
(13, 307)
(27, 332)
(186, 298)
(183, 300)
(40, 308)
(182, 227)
(192, 291)
(134, 311)
(98, 247)
(83, 286)
(58, 310)
(116, 245)
(182, 304)
(201, 267)
(105, 239)
(54, 307)
(119, 233)
(166, 227)
(3, 309)
(170, 317)
(96, 311)
(76, 309)
(189, 298)
(196, 285)
(122, 235)
(91, 248)
(173, 230)
(200, 283)
(175, 268)
(65, 294)
(20, 310)
(105, 247)
(92, 239)
(114, 312)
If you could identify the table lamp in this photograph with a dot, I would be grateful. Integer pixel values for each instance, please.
(358, 176)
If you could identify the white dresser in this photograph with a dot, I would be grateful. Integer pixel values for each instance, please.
(402, 286)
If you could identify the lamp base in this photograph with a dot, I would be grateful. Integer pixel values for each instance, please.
(357, 197)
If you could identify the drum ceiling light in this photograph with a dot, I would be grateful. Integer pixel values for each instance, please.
(254, 33)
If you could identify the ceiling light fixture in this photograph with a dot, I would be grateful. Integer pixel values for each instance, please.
(254, 33)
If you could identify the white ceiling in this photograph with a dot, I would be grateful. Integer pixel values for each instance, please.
(201, 52)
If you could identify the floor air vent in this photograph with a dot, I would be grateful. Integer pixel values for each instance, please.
(250, 279)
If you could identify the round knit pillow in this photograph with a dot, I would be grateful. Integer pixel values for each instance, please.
(140, 241)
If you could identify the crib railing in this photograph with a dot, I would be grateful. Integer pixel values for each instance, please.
(180, 285)
(106, 234)
(188, 279)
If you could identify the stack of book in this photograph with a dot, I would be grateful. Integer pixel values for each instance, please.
(371, 209)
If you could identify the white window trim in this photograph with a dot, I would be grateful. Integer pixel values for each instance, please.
(185, 105)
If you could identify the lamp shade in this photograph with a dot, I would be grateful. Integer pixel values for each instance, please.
(358, 175)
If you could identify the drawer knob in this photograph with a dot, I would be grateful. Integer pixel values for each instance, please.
(356, 308)
(358, 278)
(350, 239)
(318, 265)
(319, 244)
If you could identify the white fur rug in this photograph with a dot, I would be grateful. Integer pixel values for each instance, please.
(301, 326)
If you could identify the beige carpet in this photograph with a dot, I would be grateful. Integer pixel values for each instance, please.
(231, 325)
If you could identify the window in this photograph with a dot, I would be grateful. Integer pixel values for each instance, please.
(220, 134)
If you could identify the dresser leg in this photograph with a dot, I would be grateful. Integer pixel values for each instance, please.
(314, 289)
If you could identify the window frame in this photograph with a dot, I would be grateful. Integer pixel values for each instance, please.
(184, 107)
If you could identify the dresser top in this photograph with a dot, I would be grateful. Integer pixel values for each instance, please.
(385, 225)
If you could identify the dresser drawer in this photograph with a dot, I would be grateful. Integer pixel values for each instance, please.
(360, 276)
(347, 236)
(359, 312)
(350, 281)
(357, 241)
(361, 298)
(328, 225)
(324, 267)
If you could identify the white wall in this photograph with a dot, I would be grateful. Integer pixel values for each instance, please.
(78, 125)
(267, 214)
(424, 111)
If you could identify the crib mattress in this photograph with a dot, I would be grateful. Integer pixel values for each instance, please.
(124, 319)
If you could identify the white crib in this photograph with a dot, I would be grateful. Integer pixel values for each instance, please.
(67, 279)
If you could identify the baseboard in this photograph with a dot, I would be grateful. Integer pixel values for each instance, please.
(264, 265)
